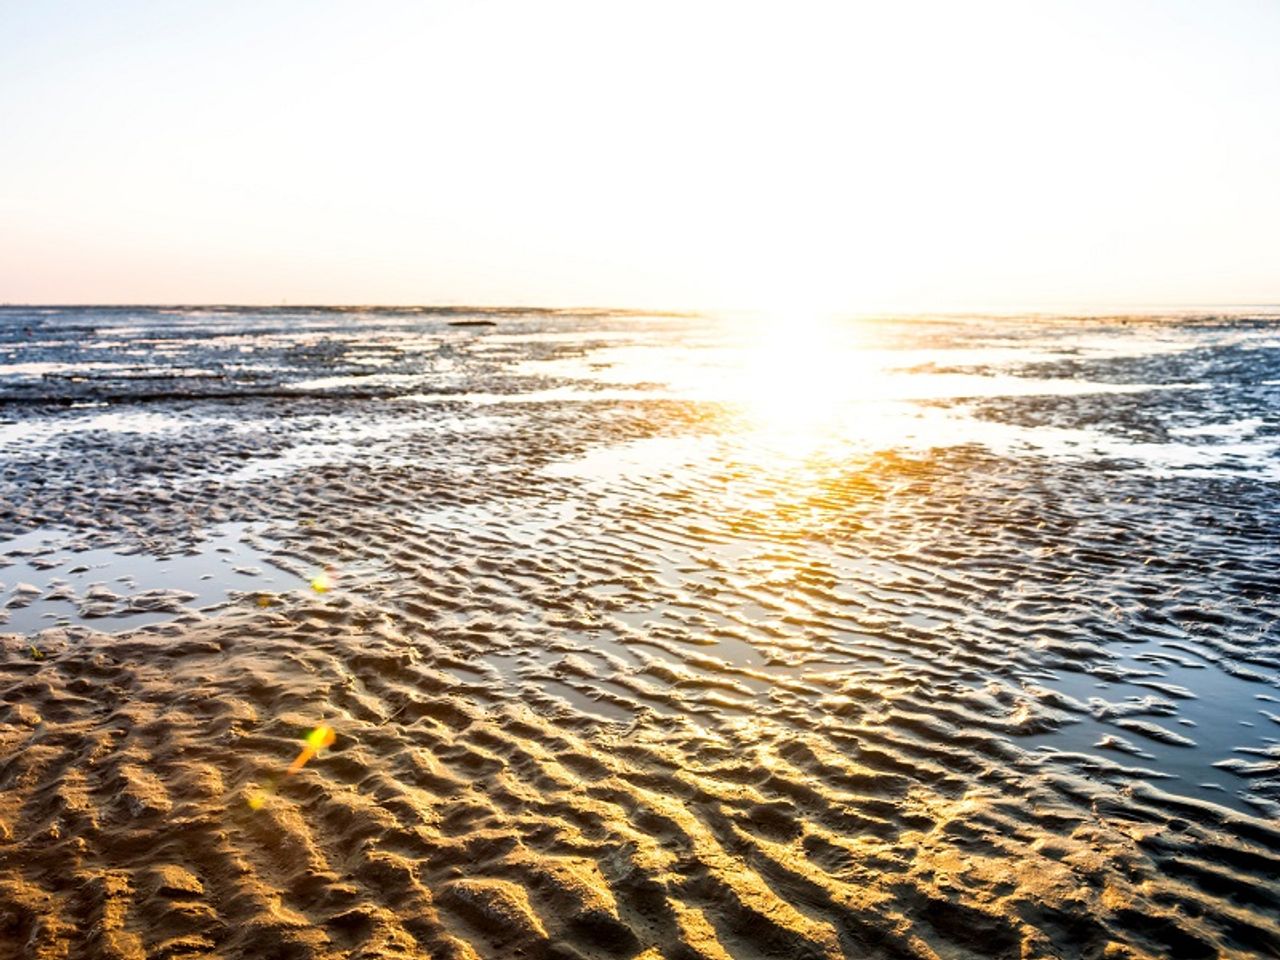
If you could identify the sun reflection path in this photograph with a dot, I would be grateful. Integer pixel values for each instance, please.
(811, 388)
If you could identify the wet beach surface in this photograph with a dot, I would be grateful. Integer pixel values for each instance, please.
(641, 636)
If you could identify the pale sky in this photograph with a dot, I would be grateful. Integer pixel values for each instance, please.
(841, 156)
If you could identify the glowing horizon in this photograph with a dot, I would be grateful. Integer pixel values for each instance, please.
(834, 158)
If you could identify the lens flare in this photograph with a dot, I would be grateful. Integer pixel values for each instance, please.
(318, 739)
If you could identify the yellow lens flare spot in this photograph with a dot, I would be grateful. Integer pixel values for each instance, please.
(321, 738)
(317, 740)
(322, 582)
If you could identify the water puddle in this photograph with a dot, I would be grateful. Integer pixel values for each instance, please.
(1191, 721)
(46, 582)
(24, 434)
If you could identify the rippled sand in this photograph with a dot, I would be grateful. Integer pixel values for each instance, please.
(640, 637)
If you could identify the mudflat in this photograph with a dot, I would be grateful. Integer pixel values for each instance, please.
(568, 634)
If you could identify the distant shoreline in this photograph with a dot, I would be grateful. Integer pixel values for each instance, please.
(1064, 310)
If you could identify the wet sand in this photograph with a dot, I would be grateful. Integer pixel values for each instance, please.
(640, 637)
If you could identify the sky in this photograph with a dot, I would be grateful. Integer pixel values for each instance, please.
(789, 156)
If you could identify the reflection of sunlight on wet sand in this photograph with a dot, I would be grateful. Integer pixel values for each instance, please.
(792, 388)
(804, 398)
(807, 385)
(791, 377)
(789, 380)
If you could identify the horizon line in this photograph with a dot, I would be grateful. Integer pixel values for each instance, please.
(1088, 307)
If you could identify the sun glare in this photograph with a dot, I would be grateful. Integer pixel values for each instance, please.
(799, 374)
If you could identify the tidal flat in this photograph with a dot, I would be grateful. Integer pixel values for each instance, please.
(638, 636)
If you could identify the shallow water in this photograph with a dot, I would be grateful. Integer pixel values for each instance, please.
(48, 580)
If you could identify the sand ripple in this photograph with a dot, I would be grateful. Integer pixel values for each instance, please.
(628, 678)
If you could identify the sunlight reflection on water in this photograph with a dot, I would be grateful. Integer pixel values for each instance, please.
(833, 389)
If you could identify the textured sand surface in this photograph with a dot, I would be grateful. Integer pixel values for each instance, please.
(974, 660)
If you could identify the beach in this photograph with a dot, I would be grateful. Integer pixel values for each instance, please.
(481, 633)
